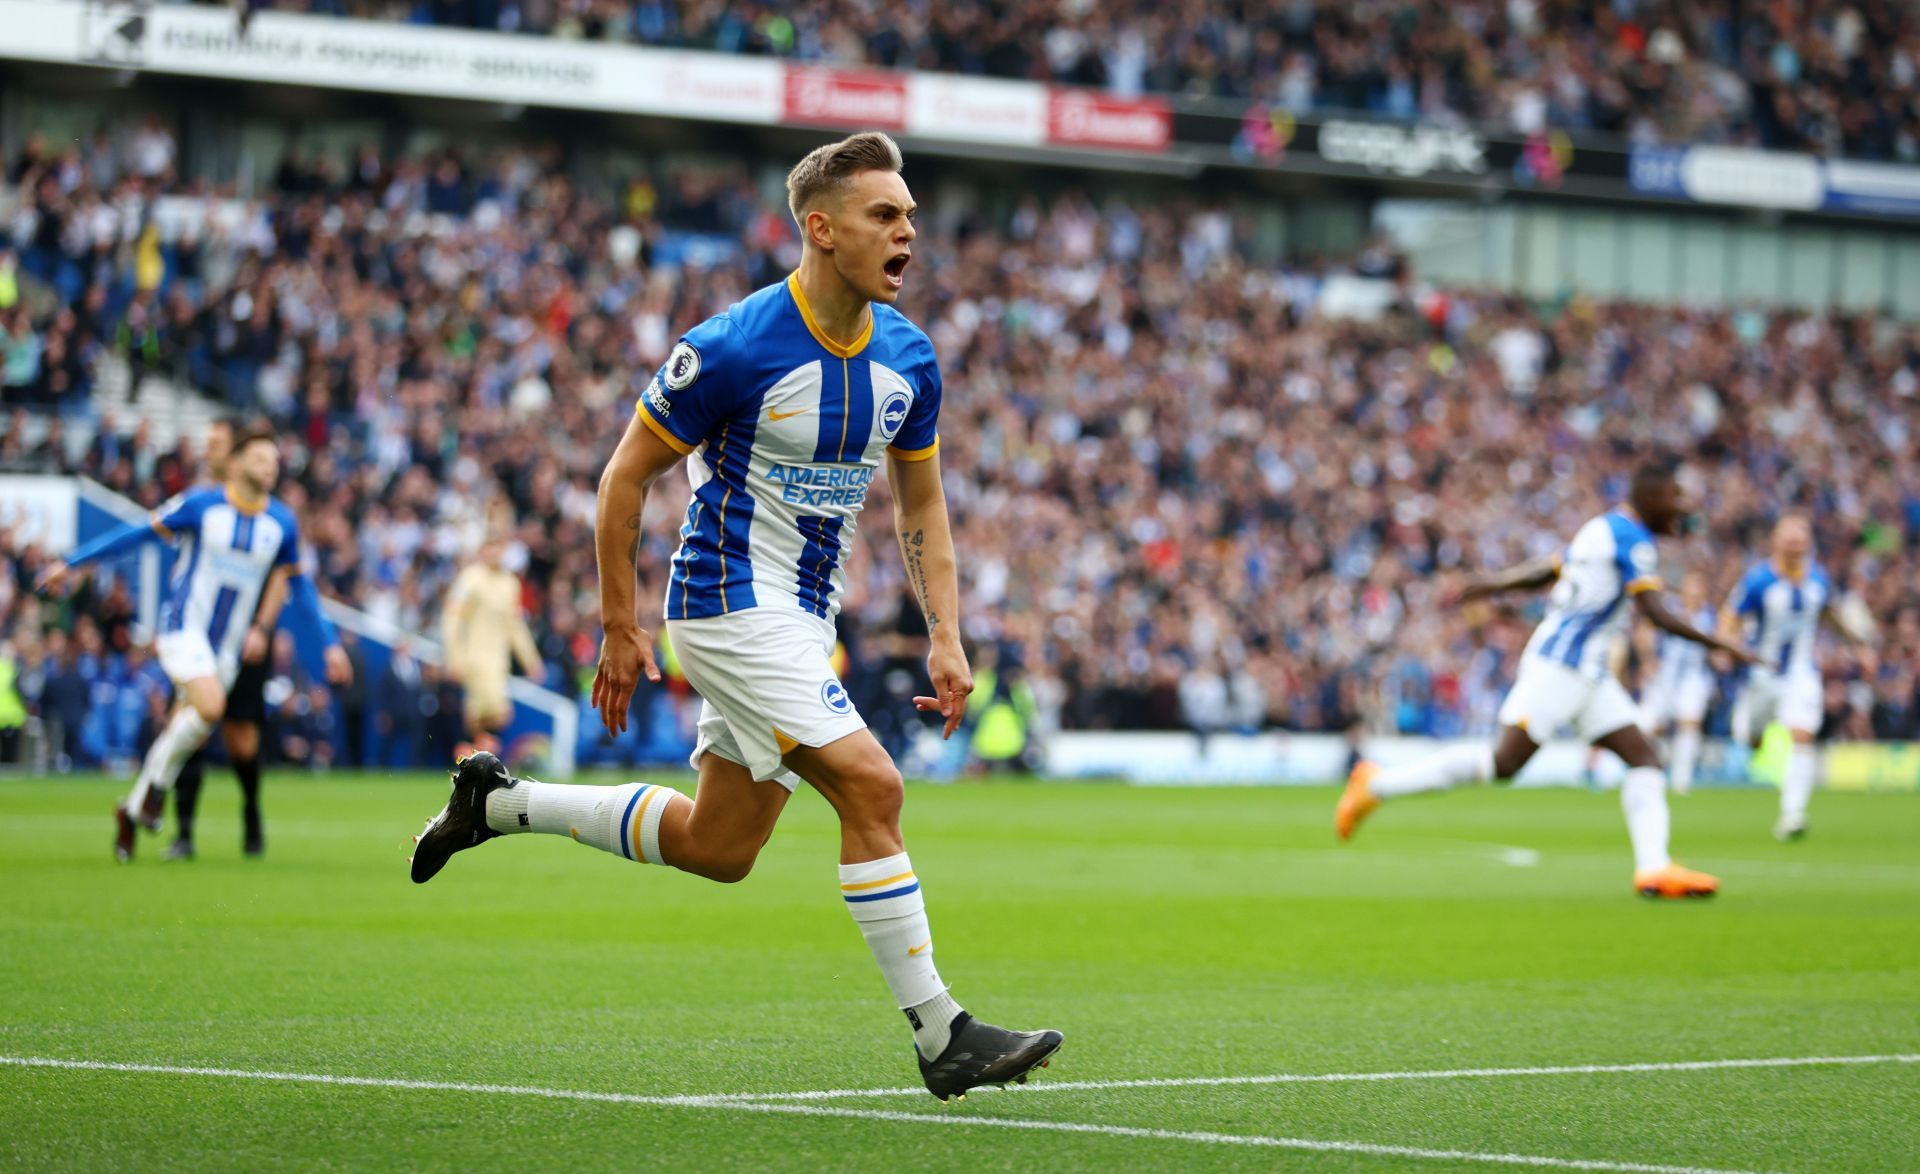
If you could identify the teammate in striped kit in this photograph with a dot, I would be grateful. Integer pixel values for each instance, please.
(246, 708)
(1566, 678)
(238, 546)
(786, 426)
(1682, 686)
(1780, 604)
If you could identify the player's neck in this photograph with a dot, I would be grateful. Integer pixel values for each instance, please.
(838, 309)
(245, 497)
(1792, 571)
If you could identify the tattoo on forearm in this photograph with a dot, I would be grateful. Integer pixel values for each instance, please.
(912, 551)
(633, 548)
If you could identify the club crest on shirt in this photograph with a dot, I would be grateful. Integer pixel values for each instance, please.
(893, 413)
(683, 366)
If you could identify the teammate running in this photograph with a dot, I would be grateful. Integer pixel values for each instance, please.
(1682, 685)
(1780, 604)
(787, 402)
(1564, 679)
(238, 547)
(246, 708)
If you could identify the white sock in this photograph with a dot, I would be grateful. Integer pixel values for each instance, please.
(1686, 752)
(1451, 767)
(1797, 787)
(623, 820)
(1644, 798)
(885, 900)
(184, 734)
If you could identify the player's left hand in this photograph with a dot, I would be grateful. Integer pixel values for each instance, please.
(339, 668)
(952, 684)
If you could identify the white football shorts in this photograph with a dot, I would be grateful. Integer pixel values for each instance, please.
(1548, 695)
(1684, 701)
(1792, 698)
(766, 683)
(188, 656)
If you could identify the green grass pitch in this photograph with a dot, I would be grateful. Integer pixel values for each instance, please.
(1172, 934)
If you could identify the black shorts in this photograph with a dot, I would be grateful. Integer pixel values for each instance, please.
(247, 701)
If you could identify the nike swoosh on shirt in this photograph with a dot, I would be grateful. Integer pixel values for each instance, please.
(774, 414)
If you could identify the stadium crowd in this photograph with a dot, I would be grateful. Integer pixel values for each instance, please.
(1185, 496)
(1829, 76)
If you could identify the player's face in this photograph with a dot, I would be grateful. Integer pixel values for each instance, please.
(259, 465)
(873, 235)
(1662, 506)
(1792, 540)
(219, 448)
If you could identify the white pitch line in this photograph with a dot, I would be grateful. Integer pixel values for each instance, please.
(835, 1094)
(732, 1103)
(1313, 1145)
(519, 1090)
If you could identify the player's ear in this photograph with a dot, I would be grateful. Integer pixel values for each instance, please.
(820, 229)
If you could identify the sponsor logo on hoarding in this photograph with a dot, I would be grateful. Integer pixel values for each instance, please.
(1264, 133)
(1403, 150)
(832, 97)
(1078, 119)
(114, 34)
(977, 110)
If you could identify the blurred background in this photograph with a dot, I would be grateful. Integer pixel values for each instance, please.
(1261, 324)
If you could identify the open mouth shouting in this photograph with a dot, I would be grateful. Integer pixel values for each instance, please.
(896, 269)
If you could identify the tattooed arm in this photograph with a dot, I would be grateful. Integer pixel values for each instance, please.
(926, 547)
(626, 649)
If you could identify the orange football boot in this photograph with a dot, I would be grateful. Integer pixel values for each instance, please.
(1357, 801)
(1674, 882)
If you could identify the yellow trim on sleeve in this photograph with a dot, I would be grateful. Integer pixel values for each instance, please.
(837, 350)
(1644, 585)
(915, 454)
(661, 430)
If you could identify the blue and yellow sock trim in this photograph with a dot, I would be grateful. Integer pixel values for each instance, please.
(880, 890)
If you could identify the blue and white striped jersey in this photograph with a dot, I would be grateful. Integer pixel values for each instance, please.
(225, 556)
(1682, 661)
(787, 428)
(1612, 557)
(1782, 615)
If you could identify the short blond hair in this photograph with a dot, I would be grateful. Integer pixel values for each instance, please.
(827, 170)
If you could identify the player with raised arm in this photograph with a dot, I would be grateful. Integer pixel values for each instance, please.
(1565, 679)
(1682, 686)
(787, 405)
(246, 708)
(1779, 605)
(238, 546)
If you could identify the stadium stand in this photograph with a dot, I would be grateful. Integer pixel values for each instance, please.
(1839, 79)
(1239, 509)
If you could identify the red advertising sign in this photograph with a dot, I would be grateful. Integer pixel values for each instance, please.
(838, 97)
(1077, 118)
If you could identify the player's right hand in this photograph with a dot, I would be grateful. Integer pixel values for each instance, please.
(52, 578)
(624, 653)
